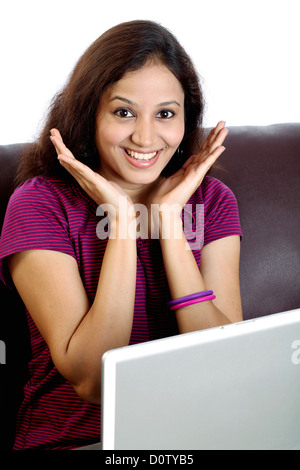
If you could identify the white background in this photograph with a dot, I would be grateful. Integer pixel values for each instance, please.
(247, 53)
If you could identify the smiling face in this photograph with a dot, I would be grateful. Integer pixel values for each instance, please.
(139, 126)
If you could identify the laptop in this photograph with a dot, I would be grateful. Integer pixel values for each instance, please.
(233, 387)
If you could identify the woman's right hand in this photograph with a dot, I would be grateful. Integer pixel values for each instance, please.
(98, 188)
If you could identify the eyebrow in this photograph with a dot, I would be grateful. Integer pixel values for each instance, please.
(131, 103)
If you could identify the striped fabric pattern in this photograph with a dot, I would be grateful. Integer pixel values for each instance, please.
(45, 213)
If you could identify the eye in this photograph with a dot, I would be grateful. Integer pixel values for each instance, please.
(165, 114)
(123, 113)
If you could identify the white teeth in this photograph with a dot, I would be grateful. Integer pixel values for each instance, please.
(141, 156)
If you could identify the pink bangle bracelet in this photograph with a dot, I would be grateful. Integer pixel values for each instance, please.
(193, 301)
(190, 297)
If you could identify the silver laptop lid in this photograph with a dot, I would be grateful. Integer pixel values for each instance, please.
(234, 387)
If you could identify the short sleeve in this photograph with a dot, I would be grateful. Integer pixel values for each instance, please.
(221, 213)
(35, 219)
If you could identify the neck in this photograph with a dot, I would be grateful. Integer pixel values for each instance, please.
(138, 193)
(142, 194)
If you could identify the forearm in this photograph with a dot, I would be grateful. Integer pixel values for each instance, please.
(108, 323)
(184, 278)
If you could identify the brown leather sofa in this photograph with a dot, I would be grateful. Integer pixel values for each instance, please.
(262, 167)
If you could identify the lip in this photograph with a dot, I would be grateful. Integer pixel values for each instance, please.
(141, 163)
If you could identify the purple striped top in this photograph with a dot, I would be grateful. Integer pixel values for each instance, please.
(45, 213)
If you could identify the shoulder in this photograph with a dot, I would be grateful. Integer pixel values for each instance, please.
(47, 205)
(213, 193)
(218, 199)
(37, 217)
(46, 192)
(220, 210)
(40, 186)
(213, 190)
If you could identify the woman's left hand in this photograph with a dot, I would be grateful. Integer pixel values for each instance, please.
(176, 190)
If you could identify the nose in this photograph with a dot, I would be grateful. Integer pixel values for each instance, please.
(143, 134)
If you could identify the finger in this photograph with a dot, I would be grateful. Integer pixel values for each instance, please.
(216, 130)
(216, 136)
(95, 186)
(212, 158)
(210, 147)
(73, 171)
(58, 143)
(75, 167)
(85, 177)
(219, 139)
(189, 161)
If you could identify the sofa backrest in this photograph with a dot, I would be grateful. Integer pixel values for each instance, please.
(262, 167)
(13, 326)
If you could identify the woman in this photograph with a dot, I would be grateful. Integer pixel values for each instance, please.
(123, 134)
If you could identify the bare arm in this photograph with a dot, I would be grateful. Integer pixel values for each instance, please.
(76, 332)
(50, 285)
(219, 270)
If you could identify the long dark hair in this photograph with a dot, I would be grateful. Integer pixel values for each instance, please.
(125, 47)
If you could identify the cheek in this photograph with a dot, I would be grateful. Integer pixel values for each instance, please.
(175, 136)
(107, 136)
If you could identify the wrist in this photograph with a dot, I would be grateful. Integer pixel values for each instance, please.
(116, 224)
(170, 222)
(124, 225)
